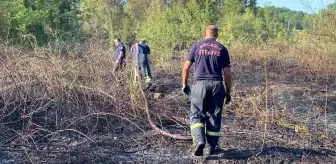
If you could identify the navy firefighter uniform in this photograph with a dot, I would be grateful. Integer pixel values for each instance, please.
(141, 52)
(207, 92)
(119, 56)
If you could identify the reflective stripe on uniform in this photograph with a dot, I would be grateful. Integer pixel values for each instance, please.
(213, 133)
(135, 74)
(197, 125)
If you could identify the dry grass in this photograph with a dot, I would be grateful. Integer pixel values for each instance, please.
(45, 95)
(286, 86)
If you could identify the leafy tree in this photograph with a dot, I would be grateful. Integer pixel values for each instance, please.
(178, 24)
(39, 21)
(155, 27)
(103, 17)
(166, 24)
(245, 28)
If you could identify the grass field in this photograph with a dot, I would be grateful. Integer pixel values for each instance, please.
(59, 107)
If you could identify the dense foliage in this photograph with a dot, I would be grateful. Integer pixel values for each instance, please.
(168, 24)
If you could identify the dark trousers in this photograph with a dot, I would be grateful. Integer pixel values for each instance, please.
(146, 72)
(118, 66)
(143, 66)
(207, 100)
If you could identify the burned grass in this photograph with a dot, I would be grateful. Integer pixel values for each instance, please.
(72, 110)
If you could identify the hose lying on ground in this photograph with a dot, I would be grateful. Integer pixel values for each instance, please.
(152, 124)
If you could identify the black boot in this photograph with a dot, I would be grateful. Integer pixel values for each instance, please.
(199, 149)
(211, 150)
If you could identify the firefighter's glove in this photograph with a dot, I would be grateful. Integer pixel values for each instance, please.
(186, 89)
(227, 97)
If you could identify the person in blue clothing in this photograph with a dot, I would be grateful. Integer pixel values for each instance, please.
(141, 62)
(119, 56)
(207, 95)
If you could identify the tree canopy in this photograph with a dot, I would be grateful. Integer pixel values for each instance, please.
(164, 23)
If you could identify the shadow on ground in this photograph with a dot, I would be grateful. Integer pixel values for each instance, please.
(235, 154)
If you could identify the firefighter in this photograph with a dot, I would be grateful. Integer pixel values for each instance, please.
(119, 56)
(208, 93)
(141, 51)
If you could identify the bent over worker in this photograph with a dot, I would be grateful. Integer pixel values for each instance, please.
(141, 51)
(207, 94)
(119, 56)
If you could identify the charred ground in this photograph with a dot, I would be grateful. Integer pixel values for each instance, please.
(71, 110)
